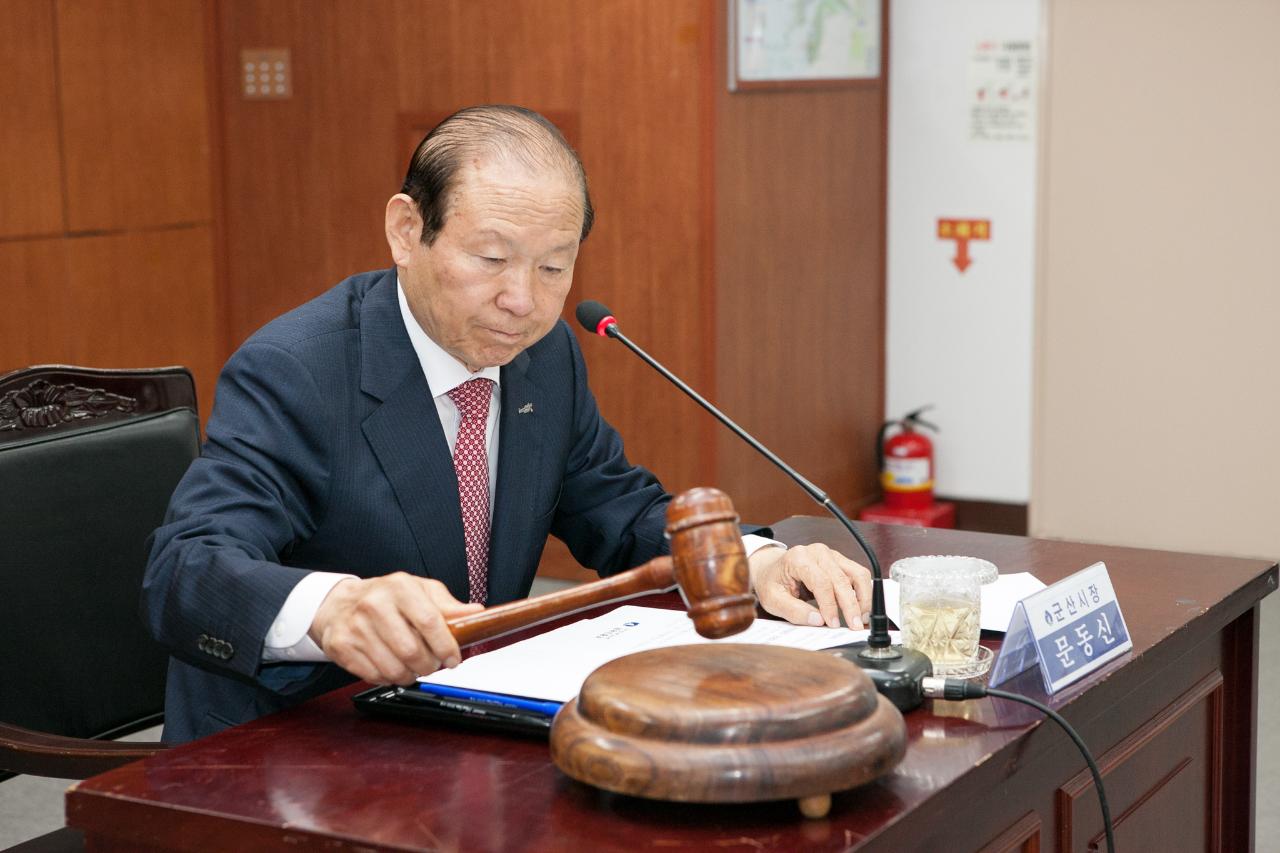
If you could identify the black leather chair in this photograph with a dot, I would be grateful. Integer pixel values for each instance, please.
(88, 461)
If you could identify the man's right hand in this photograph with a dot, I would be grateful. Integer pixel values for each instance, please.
(390, 629)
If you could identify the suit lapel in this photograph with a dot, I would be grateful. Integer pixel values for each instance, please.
(519, 456)
(405, 435)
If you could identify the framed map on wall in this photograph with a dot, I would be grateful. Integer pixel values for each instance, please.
(803, 43)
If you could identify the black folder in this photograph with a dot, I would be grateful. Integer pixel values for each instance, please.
(408, 704)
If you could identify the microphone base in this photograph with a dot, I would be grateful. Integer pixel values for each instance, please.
(898, 679)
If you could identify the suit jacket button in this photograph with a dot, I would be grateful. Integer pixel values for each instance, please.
(227, 651)
(202, 643)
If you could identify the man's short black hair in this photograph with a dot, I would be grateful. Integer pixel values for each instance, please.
(489, 129)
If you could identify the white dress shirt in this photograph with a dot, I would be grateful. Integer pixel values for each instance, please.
(287, 638)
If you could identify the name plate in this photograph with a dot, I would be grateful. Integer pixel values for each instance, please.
(1070, 629)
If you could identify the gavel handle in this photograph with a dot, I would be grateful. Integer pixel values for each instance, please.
(657, 574)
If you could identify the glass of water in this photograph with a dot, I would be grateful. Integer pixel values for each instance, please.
(940, 611)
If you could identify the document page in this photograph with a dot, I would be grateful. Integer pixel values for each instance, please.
(553, 666)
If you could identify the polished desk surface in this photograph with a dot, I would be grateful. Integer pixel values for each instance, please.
(323, 777)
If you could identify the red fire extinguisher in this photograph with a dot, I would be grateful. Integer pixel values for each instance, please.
(906, 462)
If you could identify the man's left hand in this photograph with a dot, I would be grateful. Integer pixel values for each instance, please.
(783, 579)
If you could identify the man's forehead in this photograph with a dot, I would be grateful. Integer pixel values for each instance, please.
(499, 188)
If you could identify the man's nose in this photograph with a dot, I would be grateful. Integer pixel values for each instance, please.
(516, 295)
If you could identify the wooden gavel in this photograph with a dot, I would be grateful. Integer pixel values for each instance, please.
(707, 562)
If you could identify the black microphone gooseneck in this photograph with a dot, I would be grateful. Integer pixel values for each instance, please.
(896, 671)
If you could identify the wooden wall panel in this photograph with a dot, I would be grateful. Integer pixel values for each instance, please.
(799, 255)
(30, 168)
(106, 117)
(141, 300)
(464, 53)
(134, 113)
(122, 300)
(643, 131)
(307, 178)
(33, 278)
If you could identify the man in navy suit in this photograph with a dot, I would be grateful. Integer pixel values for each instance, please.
(337, 515)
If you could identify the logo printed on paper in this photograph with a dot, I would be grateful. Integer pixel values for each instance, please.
(615, 631)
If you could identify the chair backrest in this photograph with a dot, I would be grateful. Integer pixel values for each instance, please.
(88, 462)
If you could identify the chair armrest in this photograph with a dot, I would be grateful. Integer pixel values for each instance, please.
(41, 754)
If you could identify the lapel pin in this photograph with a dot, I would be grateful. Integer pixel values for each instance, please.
(526, 408)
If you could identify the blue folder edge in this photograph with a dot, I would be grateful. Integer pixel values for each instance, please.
(504, 700)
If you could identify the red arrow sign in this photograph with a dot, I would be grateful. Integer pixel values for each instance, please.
(962, 231)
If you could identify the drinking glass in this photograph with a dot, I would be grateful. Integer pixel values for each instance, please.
(940, 611)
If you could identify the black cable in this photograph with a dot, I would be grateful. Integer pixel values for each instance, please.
(958, 689)
(1084, 750)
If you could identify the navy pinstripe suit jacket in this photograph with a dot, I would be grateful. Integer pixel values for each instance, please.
(325, 451)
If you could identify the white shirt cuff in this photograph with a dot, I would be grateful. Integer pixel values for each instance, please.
(753, 543)
(287, 638)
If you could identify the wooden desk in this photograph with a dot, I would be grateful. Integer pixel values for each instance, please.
(1173, 727)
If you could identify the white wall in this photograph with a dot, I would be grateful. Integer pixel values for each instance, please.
(962, 341)
(1158, 382)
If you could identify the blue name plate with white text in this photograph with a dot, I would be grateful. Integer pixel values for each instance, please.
(1070, 629)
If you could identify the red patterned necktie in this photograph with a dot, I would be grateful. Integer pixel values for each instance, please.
(471, 463)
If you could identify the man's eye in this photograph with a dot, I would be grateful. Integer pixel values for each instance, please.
(552, 270)
(494, 260)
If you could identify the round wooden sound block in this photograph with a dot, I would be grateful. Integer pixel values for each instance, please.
(728, 723)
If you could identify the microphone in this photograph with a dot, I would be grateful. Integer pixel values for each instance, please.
(896, 671)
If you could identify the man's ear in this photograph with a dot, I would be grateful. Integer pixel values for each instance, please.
(404, 228)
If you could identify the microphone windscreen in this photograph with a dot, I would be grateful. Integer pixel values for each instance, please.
(591, 313)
